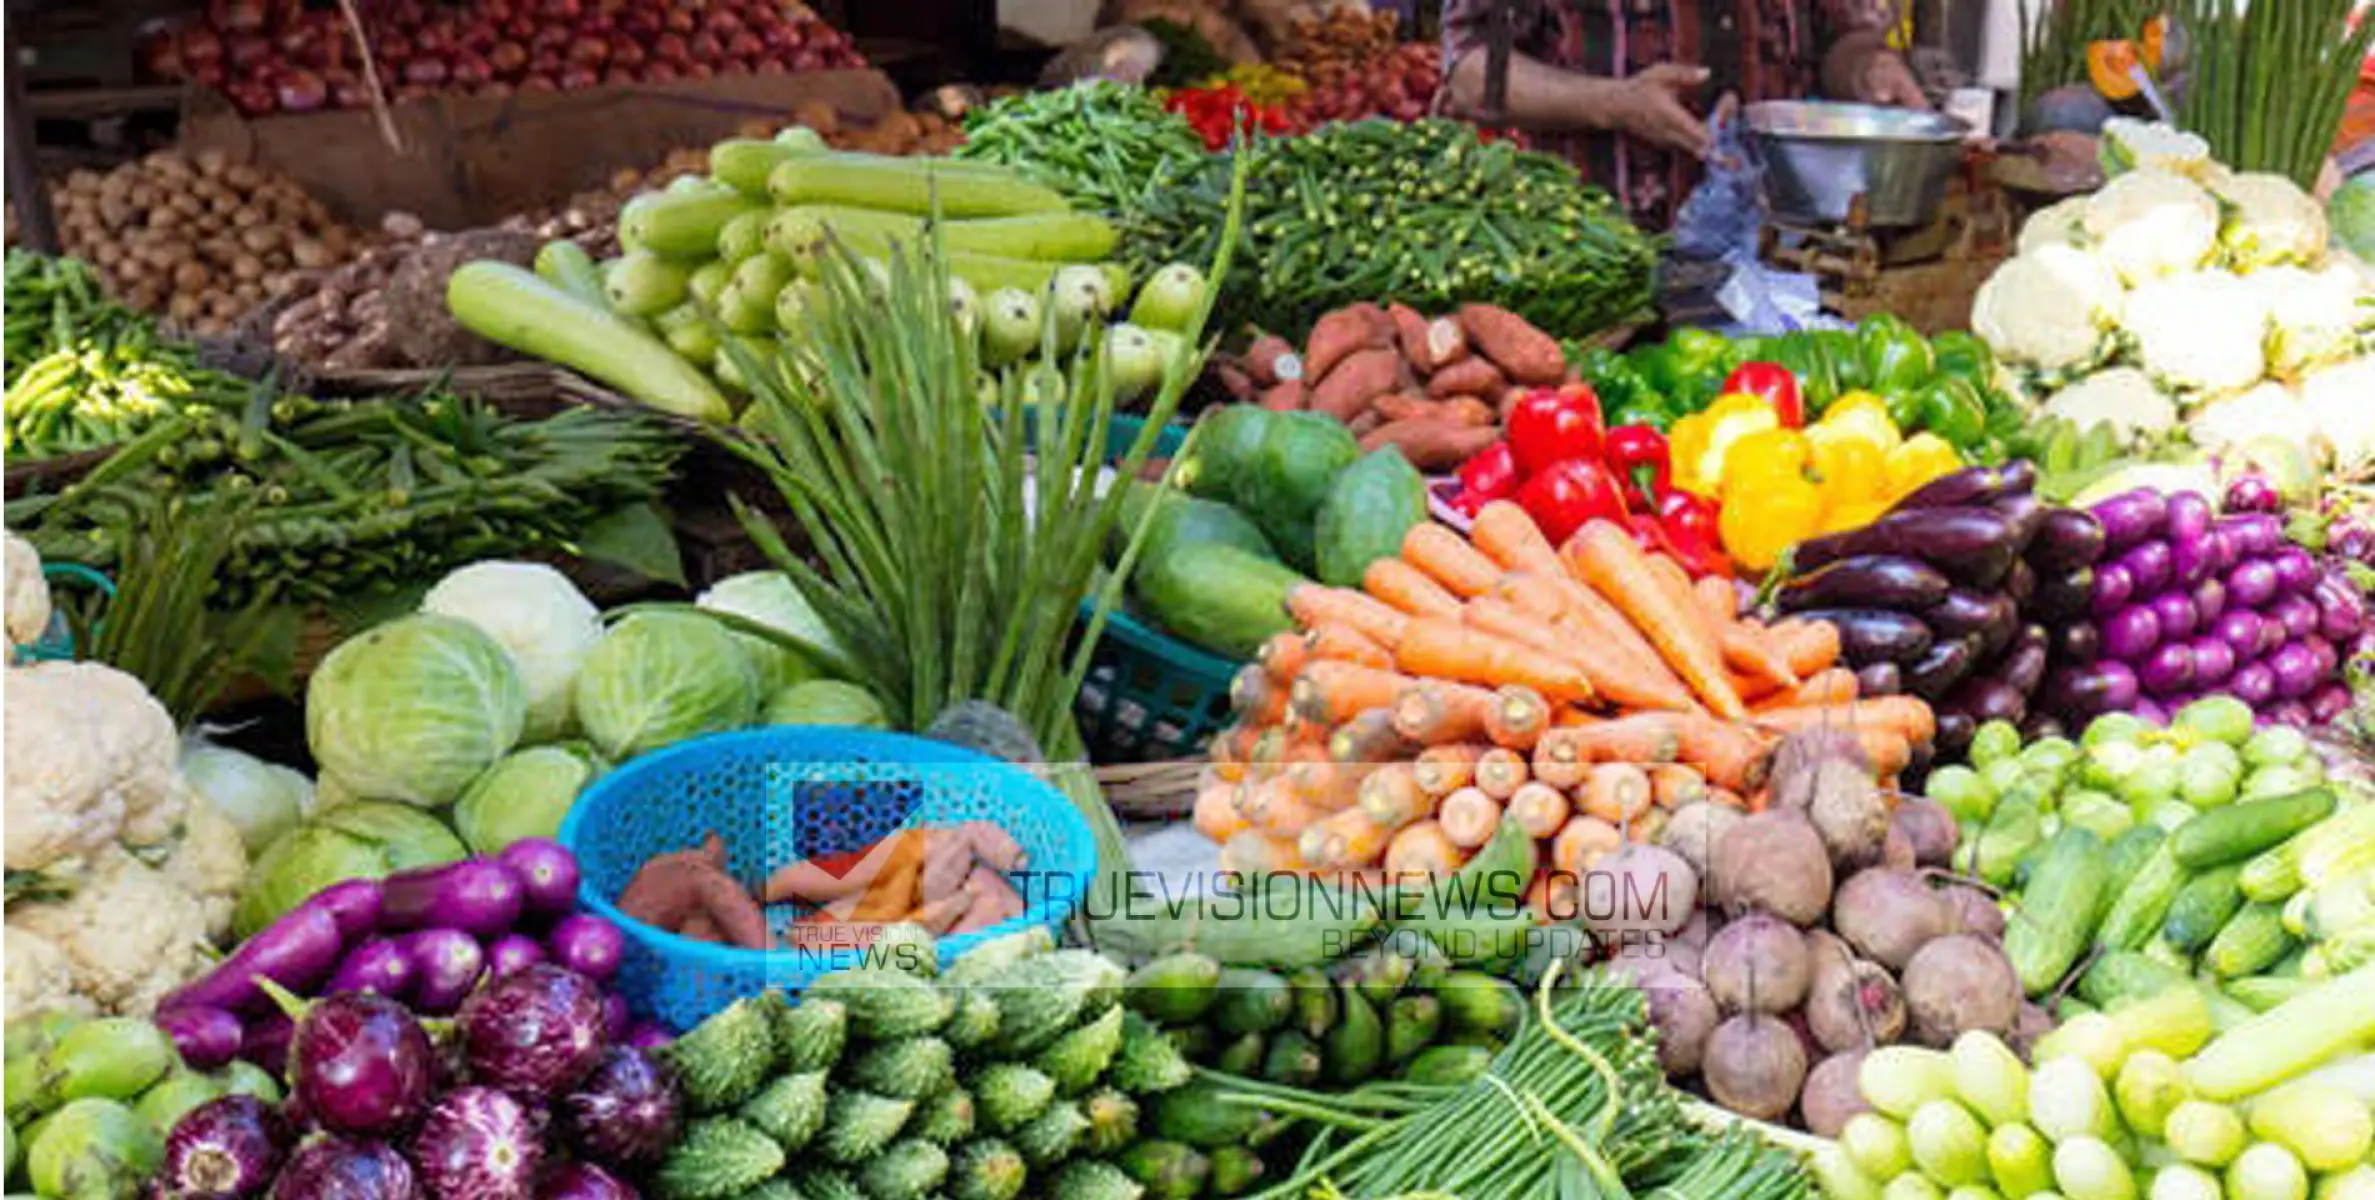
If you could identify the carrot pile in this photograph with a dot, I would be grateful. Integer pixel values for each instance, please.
(1583, 691)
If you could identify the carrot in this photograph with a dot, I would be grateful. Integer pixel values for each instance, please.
(1539, 808)
(1347, 839)
(1315, 605)
(1888, 749)
(1728, 755)
(1605, 557)
(1431, 711)
(1585, 631)
(1905, 716)
(1469, 817)
(1442, 770)
(1565, 755)
(1408, 589)
(1343, 643)
(1744, 648)
(1234, 745)
(1539, 596)
(1445, 649)
(1253, 853)
(1551, 897)
(1283, 656)
(1615, 792)
(1391, 797)
(1370, 737)
(1326, 784)
(1517, 718)
(1255, 696)
(1419, 853)
(1672, 785)
(1717, 597)
(1274, 808)
(1835, 685)
(1449, 559)
(1500, 772)
(1331, 693)
(1726, 797)
(1807, 646)
(1583, 841)
(1509, 536)
(1217, 817)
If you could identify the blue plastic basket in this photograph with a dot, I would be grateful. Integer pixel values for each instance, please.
(783, 793)
(56, 643)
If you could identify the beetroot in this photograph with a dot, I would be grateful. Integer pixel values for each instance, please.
(535, 1031)
(1835, 788)
(1639, 889)
(477, 1144)
(1831, 1095)
(1684, 1015)
(1960, 983)
(1694, 933)
(1756, 963)
(224, 1149)
(1773, 861)
(1972, 911)
(1929, 827)
(336, 1168)
(2031, 1023)
(1810, 761)
(1754, 1065)
(1853, 1005)
(1888, 914)
(361, 1064)
(625, 1111)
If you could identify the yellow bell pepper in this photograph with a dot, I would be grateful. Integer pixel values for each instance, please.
(1765, 454)
(1923, 457)
(1733, 416)
(1854, 515)
(1686, 443)
(1852, 471)
(1786, 510)
(1859, 414)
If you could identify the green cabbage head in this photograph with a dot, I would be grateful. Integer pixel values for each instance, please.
(364, 839)
(414, 709)
(524, 796)
(661, 677)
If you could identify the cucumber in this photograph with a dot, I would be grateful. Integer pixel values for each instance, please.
(1293, 1059)
(1247, 1000)
(512, 307)
(744, 163)
(2207, 901)
(1218, 596)
(643, 284)
(2238, 831)
(2123, 977)
(1048, 236)
(1367, 512)
(2250, 942)
(1356, 1044)
(907, 185)
(683, 225)
(2140, 909)
(1224, 452)
(1301, 455)
(2125, 859)
(2260, 993)
(688, 333)
(566, 265)
(2056, 914)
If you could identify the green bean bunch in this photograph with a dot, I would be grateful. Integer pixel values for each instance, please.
(1105, 145)
(1419, 212)
(2270, 81)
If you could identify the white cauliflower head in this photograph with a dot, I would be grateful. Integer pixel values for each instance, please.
(39, 975)
(129, 934)
(2149, 223)
(2270, 220)
(2130, 144)
(91, 760)
(2047, 308)
(2270, 410)
(28, 594)
(2203, 330)
(2336, 401)
(208, 864)
(2061, 223)
(2121, 397)
(2312, 315)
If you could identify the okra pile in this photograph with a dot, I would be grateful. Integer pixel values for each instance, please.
(1104, 145)
(84, 371)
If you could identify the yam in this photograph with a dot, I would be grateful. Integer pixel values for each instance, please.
(1773, 861)
(1853, 1005)
(1831, 1095)
(1756, 963)
(1888, 915)
(1959, 983)
(1754, 1065)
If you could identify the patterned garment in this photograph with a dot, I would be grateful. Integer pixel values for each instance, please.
(1760, 49)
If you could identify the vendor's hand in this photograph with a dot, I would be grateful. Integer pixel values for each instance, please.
(1888, 80)
(1651, 108)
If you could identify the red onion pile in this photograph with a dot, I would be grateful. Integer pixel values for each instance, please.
(276, 56)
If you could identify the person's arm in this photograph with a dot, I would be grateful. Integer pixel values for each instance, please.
(1540, 96)
(1857, 63)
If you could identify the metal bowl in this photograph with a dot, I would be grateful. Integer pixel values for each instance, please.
(1819, 157)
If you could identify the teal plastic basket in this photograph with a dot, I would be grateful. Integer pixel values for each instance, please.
(56, 643)
(783, 793)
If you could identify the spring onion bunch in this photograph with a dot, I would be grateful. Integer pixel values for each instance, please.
(2269, 81)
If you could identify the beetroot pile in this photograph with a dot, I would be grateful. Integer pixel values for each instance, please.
(282, 56)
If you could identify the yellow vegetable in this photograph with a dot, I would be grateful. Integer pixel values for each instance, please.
(1786, 510)
(1731, 418)
(1859, 414)
(1922, 458)
(1767, 454)
(1853, 471)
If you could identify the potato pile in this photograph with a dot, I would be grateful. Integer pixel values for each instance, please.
(1772, 994)
(198, 240)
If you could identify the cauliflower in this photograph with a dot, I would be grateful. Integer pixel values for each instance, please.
(208, 864)
(2061, 223)
(2150, 223)
(40, 976)
(2201, 330)
(2130, 144)
(91, 760)
(28, 596)
(2335, 400)
(2122, 397)
(128, 934)
(2312, 315)
(2045, 309)
(2270, 410)
(2272, 221)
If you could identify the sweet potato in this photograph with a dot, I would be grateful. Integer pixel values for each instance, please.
(1526, 354)
(1472, 412)
(1272, 360)
(1336, 337)
(1352, 383)
(1447, 343)
(1432, 443)
(1506, 403)
(1364, 421)
(1235, 380)
(1289, 396)
(1469, 377)
(1410, 334)
(1404, 406)
(1381, 323)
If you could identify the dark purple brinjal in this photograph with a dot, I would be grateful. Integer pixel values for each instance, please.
(1954, 732)
(616, 1017)
(1972, 486)
(535, 1032)
(2224, 552)
(2341, 610)
(335, 1168)
(2114, 588)
(1947, 663)
(2020, 582)
(2239, 628)
(477, 1143)
(355, 905)
(2254, 535)
(1976, 545)
(479, 896)
(446, 963)
(2214, 660)
(2252, 492)
(2022, 668)
(2081, 693)
(589, 945)
(2062, 595)
(2066, 538)
(205, 1037)
(298, 952)
(225, 1149)
(1988, 699)
(265, 1043)
(2078, 642)
(647, 1035)
(512, 952)
(1870, 635)
(379, 965)
(2027, 514)
(1965, 613)
(2042, 725)
(1871, 580)
(625, 1111)
(361, 1064)
(2190, 562)
(2130, 517)
(547, 873)
(1879, 679)
(2328, 658)
(583, 1181)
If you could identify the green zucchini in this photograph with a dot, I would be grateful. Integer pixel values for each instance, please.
(742, 237)
(688, 333)
(643, 284)
(1367, 512)
(680, 225)
(2141, 908)
(2250, 942)
(1049, 236)
(2206, 902)
(512, 307)
(566, 265)
(2050, 926)
(909, 185)
(1218, 596)
(2238, 831)
(744, 163)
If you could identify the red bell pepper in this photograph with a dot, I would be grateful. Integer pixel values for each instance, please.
(1547, 427)
(1491, 475)
(1773, 383)
(1638, 457)
(1568, 494)
(1687, 530)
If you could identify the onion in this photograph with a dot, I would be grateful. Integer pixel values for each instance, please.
(299, 90)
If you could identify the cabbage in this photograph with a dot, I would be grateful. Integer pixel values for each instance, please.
(661, 677)
(523, 796)
(2350, 212)
(534, 612)
(826, 702)
(769, 598)
(414, 709)
(365, 839)
(262, 800)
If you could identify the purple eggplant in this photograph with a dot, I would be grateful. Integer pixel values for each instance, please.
(2252, 584)
(479, 896)
(1989, 616)
(298, 952)
(546, 870)
(2253, 683)
(355, 905)
(2020, 582)
(648, 1035)
(1954, 731)
(2078, 642)
(1972, 486)
(361, 1064)
(2295, 668)
(2328, 658)
(1874, 580)
(379, 965)
(2066, 538)
(205, 1037)
(2062, 595)
(2214, 661)
(2178, 616)
(1975, 545)
(616, 1017)
(2210, 601)
(625, 1111)
(446, 965)
(1949, 661)
(2351, 540)
(1985, 700)
(2330, 700)
(2022, 668)
(336, 1168)
(2286, 712)
(534, 1032)
(2190, 515)
(2150, 565)
(2296, 570)
(2131, 517)
(2151, 711)
(2106, 685)
(2042, 725)
(225, 1149)
(2256, 535)
(2225, 552)
(2341, 610)
(2189, 562)
(583, 1181)
(2251, 492)
(2168, 670)
(1879, 679)
(2131, 633)
(2027, 514)
(2239, 628)
(2297, 614)
(511, 952)
(1870, 635)
(590, 945)
(477, 1143)
(265, 1043)
(2113, 588)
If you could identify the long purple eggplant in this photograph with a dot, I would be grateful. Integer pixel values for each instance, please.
(1875, 635)
(205, 1037)
(2066, 538)
(2063, 595)
(298, 952)
(1948, 662)
(2022, 668)
(1990, 616)
(1867, 581)
(479, 896)
(355, 902)
(1976, 545)
(1972, 486)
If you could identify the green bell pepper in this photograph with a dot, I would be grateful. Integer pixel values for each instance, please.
(1838, 347)
(1701, 353)
(1951, 408)
(1657, 366)
(1643, 407)
(1818, 381)
(1904, 408)
(1958, 353)
(1893, 355)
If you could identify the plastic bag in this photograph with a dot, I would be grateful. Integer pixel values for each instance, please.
(1722, 217)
